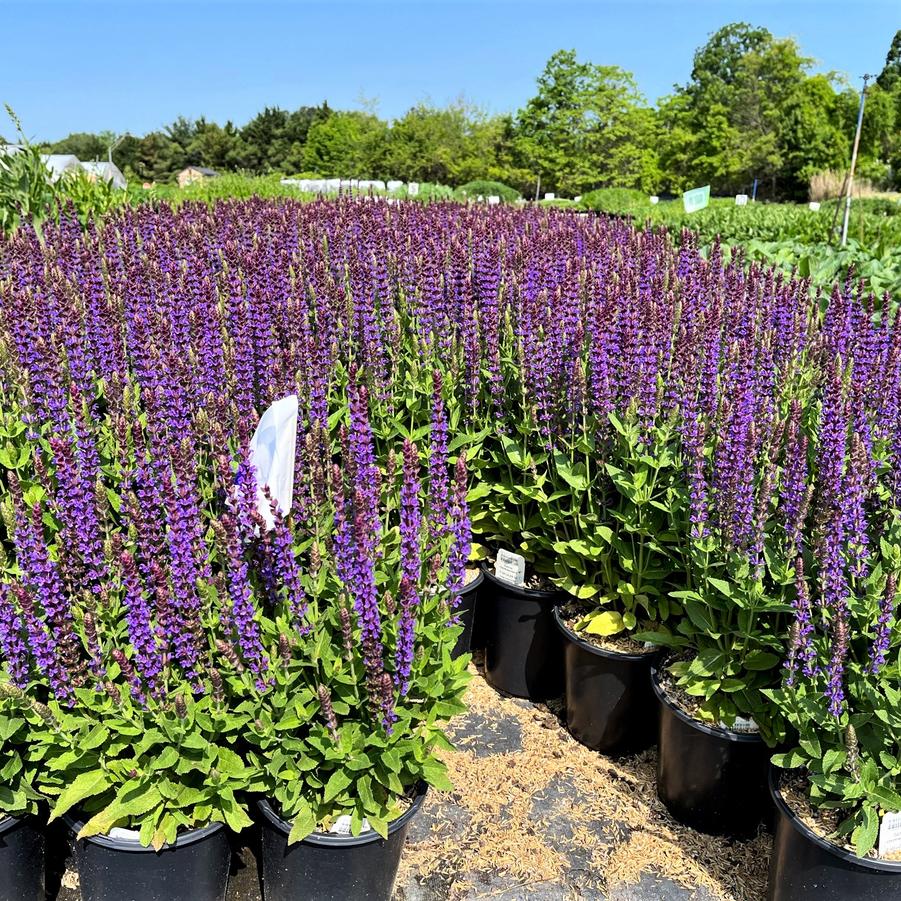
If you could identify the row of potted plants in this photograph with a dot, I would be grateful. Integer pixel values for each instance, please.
(691, 453)
(706, 496)
(182, 657)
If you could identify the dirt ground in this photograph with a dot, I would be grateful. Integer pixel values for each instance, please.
(535, 815)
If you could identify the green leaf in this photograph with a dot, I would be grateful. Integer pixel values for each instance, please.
(699, 614)
(607, 622)
(889, 799)
(85, 785)
(760, 660)
(865, 835)
(338, 781)
(304, 822)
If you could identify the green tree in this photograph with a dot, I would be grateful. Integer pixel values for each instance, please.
(84, 145)
(218, 147)
(347, 145)
(750, 111)
(265, 141)
(449, 145)
(890, 77)
(587, 126)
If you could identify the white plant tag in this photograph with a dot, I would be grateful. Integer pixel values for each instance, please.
(272, 451)
(654, 199)
(890, 834)
(814, 205)
(510, 568)
(741, 199)
(341, 826)
(742, 725)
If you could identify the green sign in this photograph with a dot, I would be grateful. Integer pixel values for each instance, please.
(696, 199)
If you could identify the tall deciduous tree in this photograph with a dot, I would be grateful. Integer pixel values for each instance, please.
(587, 126)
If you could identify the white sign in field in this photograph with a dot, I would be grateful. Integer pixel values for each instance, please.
(654, 199)
(413, 188)
(814, 205)
(550, 196)
(493, 199)
(272, 451)
(741, 199)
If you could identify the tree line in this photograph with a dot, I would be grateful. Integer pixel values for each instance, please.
(751, 109)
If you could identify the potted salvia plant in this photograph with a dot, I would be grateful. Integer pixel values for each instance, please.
(744, 506)
(515, 509)
(616, 564)
(22, 841)
(837, 792)
(121, 615)
(343, 745)
(432, 409)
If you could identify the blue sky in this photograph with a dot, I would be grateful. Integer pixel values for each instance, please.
(89, 65)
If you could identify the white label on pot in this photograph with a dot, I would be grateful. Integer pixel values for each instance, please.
(510, 568)
(743, 725)
(128, 835)
(650, 644)
(890, 834)
(341, 826)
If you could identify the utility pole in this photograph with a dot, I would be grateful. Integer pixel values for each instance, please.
(114, 145)
(863, 97)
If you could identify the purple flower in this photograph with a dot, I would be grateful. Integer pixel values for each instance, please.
(801, 650)
(883, 635)
(461, 532)
(12, 638)
(140, 625)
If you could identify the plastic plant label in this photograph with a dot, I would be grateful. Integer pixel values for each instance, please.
(814, 205)
(413, 188)
(510, 568)
(550, 196)
(741, 199)
(654, 199)
(342, 826)
(696, 199)
(742, 725)
(493, 200)
(272, 454)
(890, 834)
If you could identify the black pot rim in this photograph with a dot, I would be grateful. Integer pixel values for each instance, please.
(865, 863)
(8, 822)
(532, 594)
(473, 584)
(715, 731)
(594, 649)
(183, 839)
(329, 840)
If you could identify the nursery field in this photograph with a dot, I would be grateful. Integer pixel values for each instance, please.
(440, 550)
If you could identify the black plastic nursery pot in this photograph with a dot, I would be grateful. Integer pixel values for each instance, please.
(523, 654)
(21, 859)
(610, 705)
(709, 778)
(806, 867)
(466, 613)
(328, 867)
(119, 868)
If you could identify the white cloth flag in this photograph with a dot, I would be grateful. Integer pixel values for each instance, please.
(272, 451)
